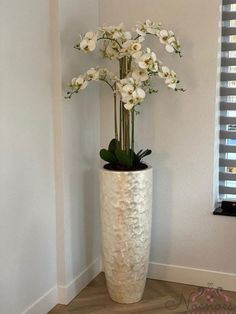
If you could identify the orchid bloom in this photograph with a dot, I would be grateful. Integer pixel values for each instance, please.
(147, 60)
(88, 43)
(138, 66)
(143, 64)
(169, 77)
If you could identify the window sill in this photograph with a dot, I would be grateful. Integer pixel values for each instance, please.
(224, 212)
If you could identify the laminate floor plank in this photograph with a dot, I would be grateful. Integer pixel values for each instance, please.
(159, 297)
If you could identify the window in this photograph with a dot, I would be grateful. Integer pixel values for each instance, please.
(227, 162)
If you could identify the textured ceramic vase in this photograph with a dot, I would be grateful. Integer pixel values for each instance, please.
(126, 214)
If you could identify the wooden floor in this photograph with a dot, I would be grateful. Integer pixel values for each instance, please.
(159, 297)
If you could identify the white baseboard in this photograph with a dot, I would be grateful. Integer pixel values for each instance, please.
(192, 276)
(64, 294)
(44, 304)
(71, 290)
(173, 273)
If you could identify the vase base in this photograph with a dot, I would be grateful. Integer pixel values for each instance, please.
(126, 300)
(127, 293)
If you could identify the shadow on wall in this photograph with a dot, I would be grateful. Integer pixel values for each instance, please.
(84, 217)
(91, 208)
(81, 138)
(149, 119)
(162, 215)
(83, 166)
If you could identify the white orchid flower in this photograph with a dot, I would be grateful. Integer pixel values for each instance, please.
(148, 60)
(129, 103)
(140, 75)
(111, 52)
(141, 64)
(135, 47)
(171, 80)
(105, 74)
(126, 86)
(169, 76)
(130, 92)
(117, 35)
(138, 94)
(113, 31)
(127, 90)
(140, 32)
(151, 31)
(172, 85)
(73, 81)
(163, 36)
(127, 35)
(89, 41)
(169, 48)
(165, 71)
(84, 85)
(131, 47)
(128, 80)
(150, 27)
(118, 31)
(169, 40)
(141, 39)
(137, 55)
(126, 45)
(175, 45)
(136, 97)
(79, 83)
(143, 61)
(79, 80)
(93, 74)
(87, 45)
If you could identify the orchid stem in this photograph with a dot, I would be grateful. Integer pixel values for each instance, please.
(132, 131)
(115, 115)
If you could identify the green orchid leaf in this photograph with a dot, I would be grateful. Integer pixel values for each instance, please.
(114, 144)
(138, 153)
(108, 156)
(145, 153)
(124, 158)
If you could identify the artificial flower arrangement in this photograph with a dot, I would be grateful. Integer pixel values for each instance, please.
(137, 67)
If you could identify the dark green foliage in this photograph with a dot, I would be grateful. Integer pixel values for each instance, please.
(108, 156)
(114, 145)
(122, 160)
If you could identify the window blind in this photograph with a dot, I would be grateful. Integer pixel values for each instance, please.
(227, 160)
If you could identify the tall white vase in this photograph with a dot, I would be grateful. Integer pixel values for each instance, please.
(126, 214)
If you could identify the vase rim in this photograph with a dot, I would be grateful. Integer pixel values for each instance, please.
(127, 171)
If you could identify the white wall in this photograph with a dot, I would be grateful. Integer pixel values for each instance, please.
(180, 128)
(81, 142)
(27, 224)
(49, 229)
